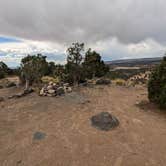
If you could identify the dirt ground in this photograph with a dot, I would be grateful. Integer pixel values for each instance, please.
(70, 140)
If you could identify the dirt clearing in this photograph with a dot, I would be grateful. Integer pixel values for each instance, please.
(69, 139)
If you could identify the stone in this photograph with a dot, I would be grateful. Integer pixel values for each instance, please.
(10, 84)
(68, 89)
(51, 91)
(49, 87)
(39, 136)
(54, 84)
(42, 92)
(66, 85)
(104, 121)
(19, 162)
(28, 91)
(51, 83)
(22, 94)
(60, 91)
(103, 81)
(15, 96)
(1, 99)
(84, 84)
(50, 95)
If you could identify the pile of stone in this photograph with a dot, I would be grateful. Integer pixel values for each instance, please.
(53, 89)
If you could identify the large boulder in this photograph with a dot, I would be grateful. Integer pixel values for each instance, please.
(104, 121)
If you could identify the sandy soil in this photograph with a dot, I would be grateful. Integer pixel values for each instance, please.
(70, 140)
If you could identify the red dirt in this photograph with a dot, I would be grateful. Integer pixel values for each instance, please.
(71, 140)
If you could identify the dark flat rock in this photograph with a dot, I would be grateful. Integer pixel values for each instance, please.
(104, 121)
(39, 136)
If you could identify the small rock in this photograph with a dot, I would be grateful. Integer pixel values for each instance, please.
(60, 91)
(28, 91)
(42, 92)
(10, 84)
(1, 99)
(50, 95)
(68, 89)
(50, 87)
(16, 96)
(66, 85)
(103, 81)
(39, 136)
(54, 84)
(19, 162)
(50, 83)
(22, 94)
(51, 91)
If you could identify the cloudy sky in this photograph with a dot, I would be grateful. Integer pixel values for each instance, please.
(118, 29)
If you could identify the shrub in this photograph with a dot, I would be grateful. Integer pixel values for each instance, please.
(3, 70)
(33, 68)
(119, 82)
(103, 81)
(47, 79)
(157, 85)
(93, 65)
(74, 61)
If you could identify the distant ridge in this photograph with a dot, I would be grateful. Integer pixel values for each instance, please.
(133, 62)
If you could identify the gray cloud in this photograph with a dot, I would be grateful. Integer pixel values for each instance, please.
(64, 21)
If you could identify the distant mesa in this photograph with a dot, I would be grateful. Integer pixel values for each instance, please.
(134, 62)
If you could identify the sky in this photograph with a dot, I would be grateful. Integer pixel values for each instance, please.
(117, 29)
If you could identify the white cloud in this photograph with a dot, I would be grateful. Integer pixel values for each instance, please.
(111, 49)
(12, 53)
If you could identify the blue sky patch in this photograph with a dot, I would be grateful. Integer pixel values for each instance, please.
(9, 40)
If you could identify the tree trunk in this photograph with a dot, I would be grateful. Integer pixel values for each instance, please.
(75, 79)
(27, 84)
(93, 76)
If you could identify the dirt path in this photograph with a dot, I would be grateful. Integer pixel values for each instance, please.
(70, 140)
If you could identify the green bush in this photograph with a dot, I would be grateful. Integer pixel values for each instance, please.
(157, 85)
(33, 68)
(3, 70)
(93, 65)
